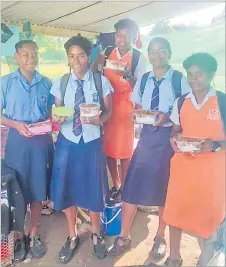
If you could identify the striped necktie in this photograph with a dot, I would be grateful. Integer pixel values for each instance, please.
(79, 99)
(155, 94)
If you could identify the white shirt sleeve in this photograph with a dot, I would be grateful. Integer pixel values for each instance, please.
(175, 117)
(107, 88)
(136, 96)
(185, 88)
(55, 89)
(142, 67)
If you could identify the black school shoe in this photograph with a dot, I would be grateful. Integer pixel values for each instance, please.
(115, 194)
(37, 251)
(20, 249)
(159, 248)
(68, 250)
(100, 249)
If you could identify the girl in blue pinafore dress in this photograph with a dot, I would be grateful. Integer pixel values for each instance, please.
(148, 174)
(79, 176)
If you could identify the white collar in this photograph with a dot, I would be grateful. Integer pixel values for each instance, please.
(167, 75)
(85, 78)
(211, 93)
(119, 55)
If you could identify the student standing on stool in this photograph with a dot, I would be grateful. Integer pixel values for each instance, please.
(147, 177)
(119, 130)
(26, 99)
(79, 177)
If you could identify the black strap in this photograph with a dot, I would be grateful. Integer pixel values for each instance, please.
(135, 60)
(98, 84)
(143, 83)
(221, 98)
(176, 83)
(63, 86)
(180, 102)
(135, 57)
(99, 88)
(108, 51)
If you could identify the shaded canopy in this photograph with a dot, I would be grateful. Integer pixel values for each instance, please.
(66, 18)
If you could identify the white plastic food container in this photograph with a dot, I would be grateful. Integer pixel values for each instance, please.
(189, 144)
(145, 116)
(115, 65)
(40, 128)
(89, 110)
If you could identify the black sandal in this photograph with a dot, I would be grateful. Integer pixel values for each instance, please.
(37, 251)
(117, 250)
(68, 250)
(159, 248)
(100, 248)
(115, 194)
(20, 249)
(174, 262)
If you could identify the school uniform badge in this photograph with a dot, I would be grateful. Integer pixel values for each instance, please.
(214, 114)
(95, 98)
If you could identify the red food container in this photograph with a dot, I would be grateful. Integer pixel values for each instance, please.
(56, 126)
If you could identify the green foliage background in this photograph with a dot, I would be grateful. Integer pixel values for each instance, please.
(211, 39)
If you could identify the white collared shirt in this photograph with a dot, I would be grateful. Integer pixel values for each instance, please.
(175, 117)
(166, 92)
(89, 132)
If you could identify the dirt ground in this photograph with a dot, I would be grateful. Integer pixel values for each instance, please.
(53, 230)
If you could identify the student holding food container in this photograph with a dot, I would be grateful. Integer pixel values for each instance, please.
(123, 65)
(79, 177)
(196, 193)
(148, 174)
(29, 148)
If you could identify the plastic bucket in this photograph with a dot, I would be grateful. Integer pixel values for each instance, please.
(111, 219)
